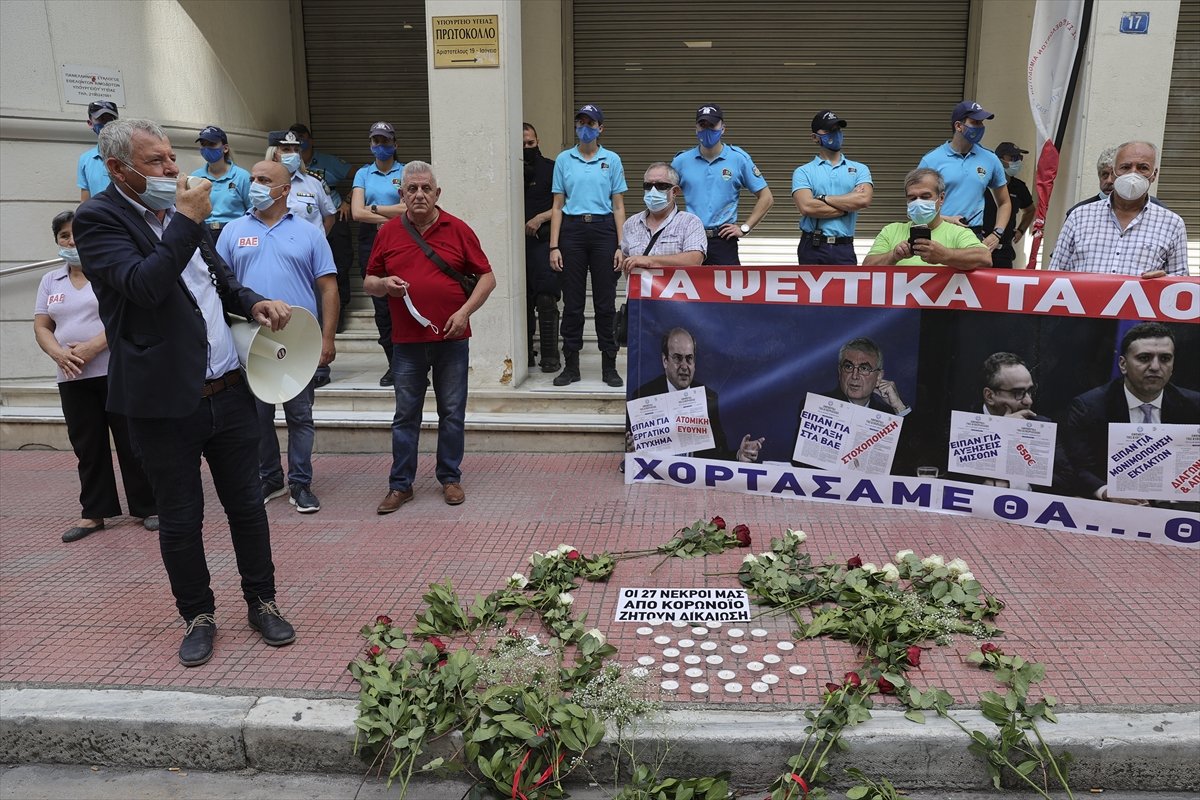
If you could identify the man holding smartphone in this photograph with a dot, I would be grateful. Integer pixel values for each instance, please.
(927, 239)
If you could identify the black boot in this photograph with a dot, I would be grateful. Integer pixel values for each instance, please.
(547, 310)
(570, 373)
(608, 370)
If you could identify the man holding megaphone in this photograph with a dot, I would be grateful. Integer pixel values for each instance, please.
(273, 252)
(173, 370)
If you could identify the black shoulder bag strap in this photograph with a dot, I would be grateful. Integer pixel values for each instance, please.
(467, 282)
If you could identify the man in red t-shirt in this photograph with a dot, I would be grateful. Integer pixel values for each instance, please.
(431, 315)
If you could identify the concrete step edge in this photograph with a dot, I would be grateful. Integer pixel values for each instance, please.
(1150, 751)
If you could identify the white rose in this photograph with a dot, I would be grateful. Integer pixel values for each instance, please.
(565, 599)
(518, 581)
(597, 635)
(966, 576)
(933, 562)
(869, 567)
(903, 554)
(768, 556)
(890, 573)
(957, 566)
(535, 558)
(798, 535)
(750, 559)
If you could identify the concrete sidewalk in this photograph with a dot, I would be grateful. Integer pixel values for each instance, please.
(1113, 621)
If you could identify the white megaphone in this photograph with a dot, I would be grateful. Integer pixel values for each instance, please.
(278, 364)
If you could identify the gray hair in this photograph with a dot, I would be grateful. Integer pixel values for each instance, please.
(921, 173)
(672, 175)
(1108, 158)
(272, 154)
(863, 345)
(116, 138)
(1123, 145)
(417, 168)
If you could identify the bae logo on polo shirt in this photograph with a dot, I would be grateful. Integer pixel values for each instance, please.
(247, 241)
(60, 297)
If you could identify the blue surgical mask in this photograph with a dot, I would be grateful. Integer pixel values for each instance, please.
(922, 212)
(212, 154)
(383, 152)
(587, 134)
(97, 127)
(973, 133)
(709, 136)
(69, 255)
(160, 192)
(1012, 169)
(260, 196)
(656, 200)
(291, 161)
(831, 141)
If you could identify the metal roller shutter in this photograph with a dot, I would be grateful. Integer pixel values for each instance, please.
(893, 68)
(366, 62)
(1179, 184)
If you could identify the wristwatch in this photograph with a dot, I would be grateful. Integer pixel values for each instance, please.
(745, 229)
(374, 208)
(999, 232)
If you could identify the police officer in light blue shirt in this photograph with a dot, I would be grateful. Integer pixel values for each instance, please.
(91, 174)
(332, 170)
(374, 200)
(712, 176)
(271, 250)
(585, 220)
(829, 191)
(230, 191)
(969, 170)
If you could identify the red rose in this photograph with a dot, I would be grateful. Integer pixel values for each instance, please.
(374, 650)
(383, 619)
(719, 522)
(742, 534)
(852, 679)
(573, 555)
(885, 685)
(914, 655)
(832, 687)
(854, 562)
(988, 647)
(514, 633)
(441, 663)
(437, 643)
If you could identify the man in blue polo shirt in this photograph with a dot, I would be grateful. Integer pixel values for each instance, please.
(969, 170)
(829, 191)
(92, 175)
(271, 250)
(712, 176)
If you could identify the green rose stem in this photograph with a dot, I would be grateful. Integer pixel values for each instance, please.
(1004, 760)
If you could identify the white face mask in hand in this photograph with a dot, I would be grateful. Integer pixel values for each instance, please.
(1131, 186)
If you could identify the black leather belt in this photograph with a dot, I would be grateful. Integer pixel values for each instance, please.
(820, 238)
(712, 233)
(588, 217)
(231, 378)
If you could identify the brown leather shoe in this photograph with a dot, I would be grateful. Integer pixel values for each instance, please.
(453, 493)
(393, 500)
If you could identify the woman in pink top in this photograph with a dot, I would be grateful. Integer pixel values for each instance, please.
(66, 322)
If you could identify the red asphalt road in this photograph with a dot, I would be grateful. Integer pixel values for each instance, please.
(1114, 621)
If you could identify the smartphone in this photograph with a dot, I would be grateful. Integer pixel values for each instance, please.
(918, 232)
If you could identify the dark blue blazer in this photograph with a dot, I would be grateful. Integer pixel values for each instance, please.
(157, 339)
(1086, 435)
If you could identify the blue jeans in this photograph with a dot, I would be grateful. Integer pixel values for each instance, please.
(411, 364)
(301, 433)
(223, 429)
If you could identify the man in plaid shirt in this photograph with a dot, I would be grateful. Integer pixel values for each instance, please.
(1125, 234)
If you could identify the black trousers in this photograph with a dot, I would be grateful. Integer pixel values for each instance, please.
(343, 257)
(224, 430)
(722, 252)
(588, 249)
(383, 314)
(88, 425)
(837, 255)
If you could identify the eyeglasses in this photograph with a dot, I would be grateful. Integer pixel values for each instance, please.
(662, 186)
(1020, 392)
(861, 369)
